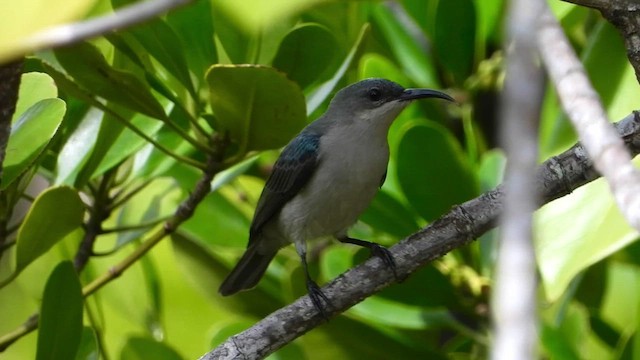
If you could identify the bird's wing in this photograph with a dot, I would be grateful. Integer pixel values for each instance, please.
(292, 170)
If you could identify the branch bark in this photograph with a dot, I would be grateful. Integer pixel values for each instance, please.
(625, 16)
(555, 178)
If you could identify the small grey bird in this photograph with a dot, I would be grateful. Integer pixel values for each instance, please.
(324, 179)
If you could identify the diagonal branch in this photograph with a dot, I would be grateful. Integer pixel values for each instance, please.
(583, 107)
(124, 17)
(555, 178)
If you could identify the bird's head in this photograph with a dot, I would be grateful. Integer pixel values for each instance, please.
(377, 100)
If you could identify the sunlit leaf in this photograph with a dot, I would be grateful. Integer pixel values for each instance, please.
(597, 230)
(60, 328)
(34, 86)
(25, 18)
(30, 134)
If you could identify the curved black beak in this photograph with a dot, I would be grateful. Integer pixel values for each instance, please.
(412, 94)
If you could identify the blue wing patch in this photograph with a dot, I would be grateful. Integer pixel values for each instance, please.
(292, 170)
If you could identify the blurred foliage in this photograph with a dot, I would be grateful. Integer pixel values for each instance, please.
(117, 128)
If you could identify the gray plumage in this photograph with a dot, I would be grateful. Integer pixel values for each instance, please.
(325, 178)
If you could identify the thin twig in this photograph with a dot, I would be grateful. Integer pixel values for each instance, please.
(184, 212)
(126, 16)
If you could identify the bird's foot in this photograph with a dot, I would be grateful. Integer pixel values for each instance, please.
(317, 298)
(376, 250)
(385, 255)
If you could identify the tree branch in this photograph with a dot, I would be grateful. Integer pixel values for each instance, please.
(625, 16)
(122, 18)
(582, 105)
(555, 178)
(10, 75)
(514, 300)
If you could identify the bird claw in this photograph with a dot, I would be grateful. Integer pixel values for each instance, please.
(385, 255)
(317, 298)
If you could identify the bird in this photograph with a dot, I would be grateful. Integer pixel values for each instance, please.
(324, 178)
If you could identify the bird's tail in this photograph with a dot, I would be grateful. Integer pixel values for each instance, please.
(247, 272)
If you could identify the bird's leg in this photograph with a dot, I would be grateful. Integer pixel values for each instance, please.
(315, 293)
(376, 249)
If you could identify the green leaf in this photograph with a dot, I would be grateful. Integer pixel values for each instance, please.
(30, 134)
(194, 25)
(454, 37)
(322, 92)
(88, 348)
(61, 315)
(303, 63)
(388, 214)
(88, 67)
(258, 105)
(163, 44)
(386, 312)
(433, 171)
(415, 61)
(252, 16)
(143, 348)
(78, 148)
(34, 86)
(597, 229)
(54, 214)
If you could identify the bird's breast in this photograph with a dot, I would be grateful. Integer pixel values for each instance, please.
(342, 187)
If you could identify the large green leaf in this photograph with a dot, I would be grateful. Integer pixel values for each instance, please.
(61, 315)
(30, 134)
(597, 230)
(454, 38)
(54, 214)
(414, 59)
(258, 105)
(88, 67)
(141, 348)
(303, 63)
(433, 171)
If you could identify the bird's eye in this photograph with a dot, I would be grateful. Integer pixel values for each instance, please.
(374, 94)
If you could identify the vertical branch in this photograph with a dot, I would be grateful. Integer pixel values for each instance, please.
(9, 85)
(514, 298)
